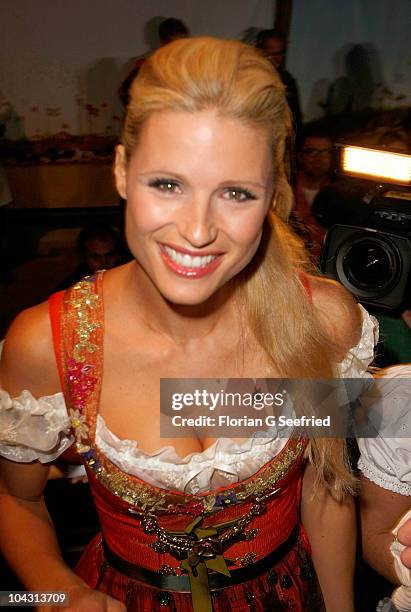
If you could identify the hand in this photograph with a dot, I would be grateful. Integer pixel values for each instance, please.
(83, 479)
(404, 537)
(84, 599)
(406, 315)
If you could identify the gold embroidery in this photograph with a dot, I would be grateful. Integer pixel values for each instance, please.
(138, 495)
(273, 473)
(78, 422)
(153, 500)
(83, 301)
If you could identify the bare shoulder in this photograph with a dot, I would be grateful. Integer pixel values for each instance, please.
(338, 313)
(27, 361)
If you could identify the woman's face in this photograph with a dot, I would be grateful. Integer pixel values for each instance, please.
(198, 187)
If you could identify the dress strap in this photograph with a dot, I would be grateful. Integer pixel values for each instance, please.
(306, 284)
(80, 338)
(55, 305)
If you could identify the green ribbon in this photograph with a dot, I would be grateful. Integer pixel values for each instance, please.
(197, 568)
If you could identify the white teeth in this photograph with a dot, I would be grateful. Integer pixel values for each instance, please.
(187, 261)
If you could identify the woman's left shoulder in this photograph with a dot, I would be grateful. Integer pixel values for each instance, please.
(338, 312)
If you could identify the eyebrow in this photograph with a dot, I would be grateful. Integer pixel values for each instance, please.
(180, 177)
(239, 182)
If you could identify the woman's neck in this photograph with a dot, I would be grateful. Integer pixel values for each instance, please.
(180, 323)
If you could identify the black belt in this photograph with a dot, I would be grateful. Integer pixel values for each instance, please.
(181, 584)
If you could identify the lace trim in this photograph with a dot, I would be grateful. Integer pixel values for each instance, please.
(384, 480)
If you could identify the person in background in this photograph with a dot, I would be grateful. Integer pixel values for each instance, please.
(385, 486)
(98, 248)
(314, 173)
(170, 29)
(274, 45)
(5, 194)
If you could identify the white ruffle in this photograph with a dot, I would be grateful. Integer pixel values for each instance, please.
(392, 479)
(223, 463)
(33, 429)
(358, 359)
(386, 458)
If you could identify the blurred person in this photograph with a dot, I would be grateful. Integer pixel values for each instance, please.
(314, 172)
(98, 248)
(385, 485)
(5, 114)
(273, 44)
(395, 327)
(172, 29)
(169, 29)
(5, 196)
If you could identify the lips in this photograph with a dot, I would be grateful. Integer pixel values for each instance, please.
(189, 265)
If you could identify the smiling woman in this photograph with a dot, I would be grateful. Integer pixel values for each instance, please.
(218, 288)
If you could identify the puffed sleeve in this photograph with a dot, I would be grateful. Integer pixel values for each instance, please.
(33, 428)
(356, 362)
(386, 458)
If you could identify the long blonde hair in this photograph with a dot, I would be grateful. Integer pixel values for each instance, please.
(196, 74)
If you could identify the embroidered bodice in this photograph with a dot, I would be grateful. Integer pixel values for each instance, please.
(40, 429)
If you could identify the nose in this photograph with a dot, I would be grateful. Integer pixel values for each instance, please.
(198, 223)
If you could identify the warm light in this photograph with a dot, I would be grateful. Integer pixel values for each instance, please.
(383, 165)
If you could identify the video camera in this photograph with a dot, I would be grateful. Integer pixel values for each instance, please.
(367, 212)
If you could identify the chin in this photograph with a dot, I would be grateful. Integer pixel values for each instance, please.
(188, 298)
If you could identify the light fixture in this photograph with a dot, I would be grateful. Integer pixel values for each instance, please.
(374, 164)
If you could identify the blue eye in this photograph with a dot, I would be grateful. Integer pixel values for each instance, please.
(239, 194)
(165, 185)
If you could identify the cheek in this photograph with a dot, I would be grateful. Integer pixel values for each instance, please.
(143, 215)
(246, 231)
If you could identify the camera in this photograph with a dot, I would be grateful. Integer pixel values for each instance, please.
(367, 212)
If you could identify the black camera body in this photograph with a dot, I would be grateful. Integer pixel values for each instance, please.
(368, 244)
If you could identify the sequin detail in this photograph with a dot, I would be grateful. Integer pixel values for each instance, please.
(82, 310)
(247, 559)
(83, 303)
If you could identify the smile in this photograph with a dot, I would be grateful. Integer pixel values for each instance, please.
(189, 266)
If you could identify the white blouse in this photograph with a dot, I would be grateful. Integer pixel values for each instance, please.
(386, 458)
(40, 429)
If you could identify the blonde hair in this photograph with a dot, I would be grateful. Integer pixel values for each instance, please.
(234, 79)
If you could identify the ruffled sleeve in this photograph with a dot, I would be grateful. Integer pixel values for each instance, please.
(32, 428)
(359, 357)
(386, 458)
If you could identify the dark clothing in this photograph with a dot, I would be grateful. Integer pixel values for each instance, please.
(293, 99)
(124, 89)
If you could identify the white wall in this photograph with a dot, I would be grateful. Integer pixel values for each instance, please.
(323, 32)
(58, 56)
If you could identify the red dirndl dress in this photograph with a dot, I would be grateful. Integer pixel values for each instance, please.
(241, 547)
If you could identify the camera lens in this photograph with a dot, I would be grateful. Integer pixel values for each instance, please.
(368, 266)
